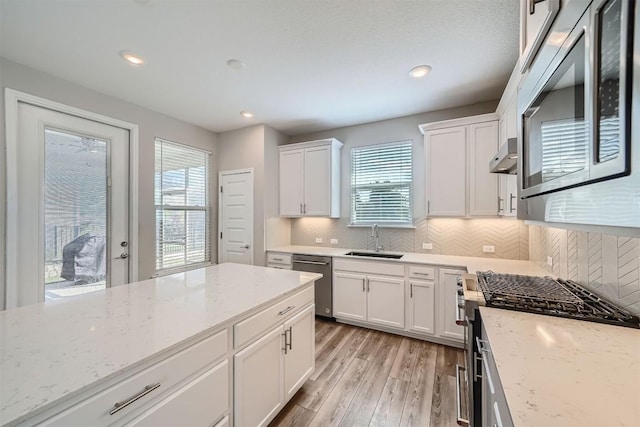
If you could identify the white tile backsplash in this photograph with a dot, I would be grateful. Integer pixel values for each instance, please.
(450, 236)
(608, 265)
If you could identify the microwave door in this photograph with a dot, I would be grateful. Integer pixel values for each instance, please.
(556, 131)
(612, 85)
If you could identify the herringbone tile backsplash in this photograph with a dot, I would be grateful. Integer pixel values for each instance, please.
(608, 265)
(450, 236)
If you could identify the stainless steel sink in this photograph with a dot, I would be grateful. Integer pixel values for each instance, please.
(375, 255)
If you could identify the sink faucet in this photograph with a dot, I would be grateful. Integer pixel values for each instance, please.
(375, 233)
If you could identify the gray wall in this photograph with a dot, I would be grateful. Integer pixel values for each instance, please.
(151, 124)
(256, 147)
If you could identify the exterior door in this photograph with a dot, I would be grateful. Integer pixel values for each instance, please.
(236, 217)
(69, 191)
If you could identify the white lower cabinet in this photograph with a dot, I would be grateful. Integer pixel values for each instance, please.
(349, 296)
(385, 301)
(448, 305)
(421, 307)
(372, 298)
(270, 371)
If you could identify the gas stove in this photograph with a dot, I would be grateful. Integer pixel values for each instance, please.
(553, 297)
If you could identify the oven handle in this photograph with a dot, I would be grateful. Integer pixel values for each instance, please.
(459, 319)
(461, 421)
(298, 261)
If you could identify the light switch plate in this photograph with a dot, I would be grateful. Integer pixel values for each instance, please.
(427, 246)
(489, 249)
(318, 239)
(334, 241)
(550, 261)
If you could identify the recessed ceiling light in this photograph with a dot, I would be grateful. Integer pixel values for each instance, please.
(246, 114)
(419, 71)
(235, 64)
(132, 58)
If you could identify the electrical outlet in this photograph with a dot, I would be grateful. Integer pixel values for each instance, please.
(427, 246)
(550, 261)
(334, 241)
(318, 239)
(489, 249)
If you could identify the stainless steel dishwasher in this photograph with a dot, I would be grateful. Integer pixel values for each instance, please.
(324, 288)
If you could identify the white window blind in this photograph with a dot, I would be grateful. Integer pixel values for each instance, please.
(182, 206)
(381, 177)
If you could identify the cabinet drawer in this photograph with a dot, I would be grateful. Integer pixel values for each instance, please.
(168, 373)
(245, 330)
(419, 272)
(278, 258)
(200, 403)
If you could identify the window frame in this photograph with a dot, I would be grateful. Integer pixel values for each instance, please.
(208, 249)
(353, 188)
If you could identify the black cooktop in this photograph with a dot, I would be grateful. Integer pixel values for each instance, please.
(545, 295)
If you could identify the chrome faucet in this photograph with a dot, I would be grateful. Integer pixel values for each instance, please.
(375, 233)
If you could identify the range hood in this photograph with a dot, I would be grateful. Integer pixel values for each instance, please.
(506, 161)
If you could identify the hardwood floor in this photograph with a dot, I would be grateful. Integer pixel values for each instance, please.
(370, 378)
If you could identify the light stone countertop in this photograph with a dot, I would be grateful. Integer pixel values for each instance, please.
(564, 372)
(471, 264)
(58, 349)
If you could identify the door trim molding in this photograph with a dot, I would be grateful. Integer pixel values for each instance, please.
(11, 99)
(220, 224)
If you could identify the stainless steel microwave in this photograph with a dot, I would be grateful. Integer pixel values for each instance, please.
(579, 122)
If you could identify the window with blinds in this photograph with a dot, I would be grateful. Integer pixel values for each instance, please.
(381, 177)
(182, 206)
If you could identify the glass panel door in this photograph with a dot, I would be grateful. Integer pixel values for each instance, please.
(75, 213)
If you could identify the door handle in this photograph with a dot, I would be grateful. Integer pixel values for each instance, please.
(123, 255)
(246, 246)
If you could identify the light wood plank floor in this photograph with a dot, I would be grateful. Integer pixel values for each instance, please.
(371, 378)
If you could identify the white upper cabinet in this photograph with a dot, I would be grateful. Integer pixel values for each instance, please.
(508, 184)
(310, 179)
(446, 171)
(536, 17)
(483, 185)
(457, 166)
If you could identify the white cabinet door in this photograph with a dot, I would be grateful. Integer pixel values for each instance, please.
(317, 181)
(349, 296)
(385, 301)
(509, 192)
(421, 308)
(299, 358)
(446, 171)
(291, 182)
(448, 298)
(258, 372)
(201, 402)
(483, 185)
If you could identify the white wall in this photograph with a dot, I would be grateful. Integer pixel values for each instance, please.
(151, 124)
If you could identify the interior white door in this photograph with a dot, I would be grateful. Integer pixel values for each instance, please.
(236, 217)
(70, 207)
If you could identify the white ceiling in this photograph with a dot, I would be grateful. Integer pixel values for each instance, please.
(310, 64)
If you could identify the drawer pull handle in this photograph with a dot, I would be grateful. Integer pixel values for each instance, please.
(278, 259)
(461, 421)
(417, 273)
(121, 405)
(286, 310)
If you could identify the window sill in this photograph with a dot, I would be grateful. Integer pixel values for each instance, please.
(381, 225)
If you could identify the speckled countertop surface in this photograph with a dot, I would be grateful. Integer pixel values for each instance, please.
(60, 348)
(471, 264)
(564, 372)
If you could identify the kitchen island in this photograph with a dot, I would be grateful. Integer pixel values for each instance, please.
(57, 356)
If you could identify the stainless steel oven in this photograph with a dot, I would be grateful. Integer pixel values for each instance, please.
(578, 108)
